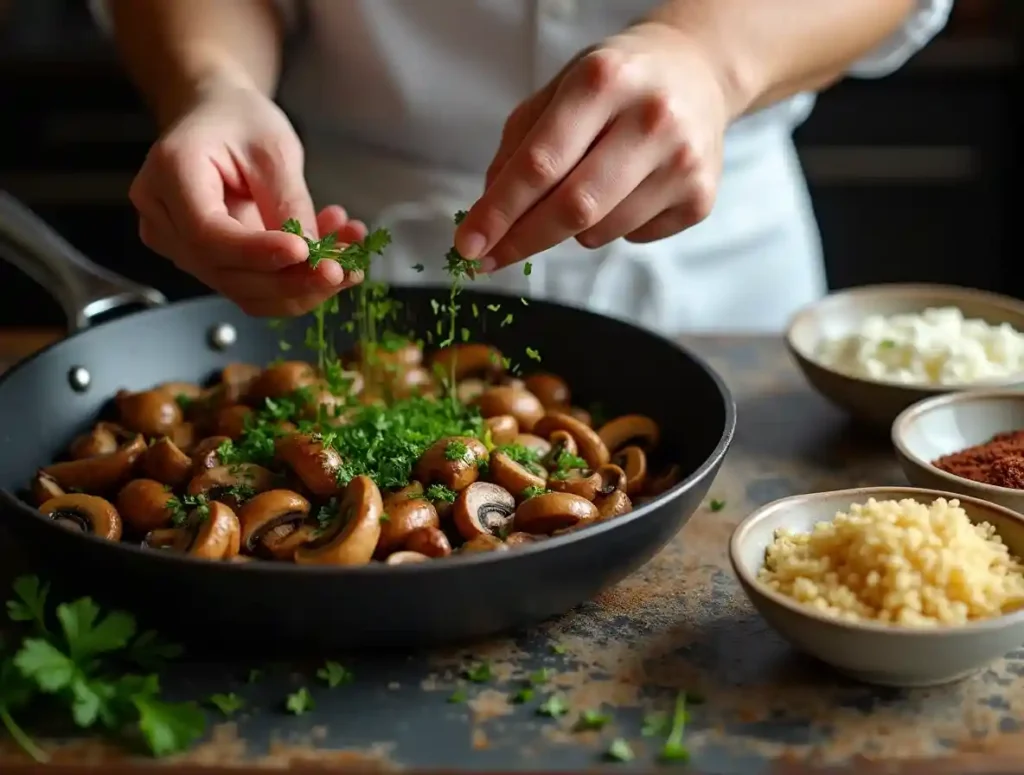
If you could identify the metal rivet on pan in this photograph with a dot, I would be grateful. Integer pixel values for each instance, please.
(223, 335)
(79, 378)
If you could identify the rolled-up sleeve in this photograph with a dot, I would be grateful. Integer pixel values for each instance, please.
(923, 24)
(288, 9)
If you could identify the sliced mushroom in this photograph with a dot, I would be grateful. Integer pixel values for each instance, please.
(430, 541)
(611, 478)
(274, 524)
(483, 508)
(316, 466)
(352, 537)
(503, 399)
(103, 439)
(407, 511)
(468, 390)
(211, 532)
(553, 511)
(467, 360)
(519, 539)
(165, 463)
(405, 558)
(451, 461)
(533, 443)
(550, 389)
(232, 485)
(589, 444)
(483, 543)
(513, 476)
(504, 428)
(151, 412)
(99, 474)
(44, 488)
(632, 460)
(637, 429)
(582, 482)
(85, 513)
(614, 504)
(236, 379)
(280, 380)
(664, 481)
(231, 421)
(145, 505)
(206, 454)
(563, 444)
(174, 539)
(581, 414)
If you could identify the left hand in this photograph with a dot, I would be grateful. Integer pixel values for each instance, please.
(625, 141)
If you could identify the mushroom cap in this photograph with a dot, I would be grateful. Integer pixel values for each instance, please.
(534, 443)
(151, 412)
(184, 436)
(178, 390)
(218, 535)
(232, 484)
(483, 508)
(439, 463)
(407, 511)
(353, 537)
(633, 460)
(582, 482)
(504, 428)
(504, 399)
(164, 461)
(236, 378)
(430, 541)
(231, 421)
(551, 390)
(406, 557)
(205, 454)
(483, 543)
(100, 474)
(316, 466)
(86, 512)
(610, 479)
(268, 511)
(591, 447)
(614, 504)
(100, 440)
(144, 504)
(553, 511)
(467, 360)
(519, 539)
(663, 481)
(468, 389)
(511, 475)
(629, 428)
(279, 380)
(44, 487)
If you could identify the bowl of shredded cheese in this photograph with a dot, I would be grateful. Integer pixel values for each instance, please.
(894, 586)
(876, 350)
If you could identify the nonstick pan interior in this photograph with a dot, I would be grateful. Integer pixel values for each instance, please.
(62, 391)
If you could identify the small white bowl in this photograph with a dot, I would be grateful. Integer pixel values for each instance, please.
(945, 424)
(874, 653)
(838, 314)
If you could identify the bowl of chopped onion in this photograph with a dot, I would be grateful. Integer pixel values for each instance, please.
(875, 350)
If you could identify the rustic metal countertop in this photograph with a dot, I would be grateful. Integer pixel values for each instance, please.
(679, 623)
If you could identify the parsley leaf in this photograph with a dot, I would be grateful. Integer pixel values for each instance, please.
(30, 602)
(168, 728)
(228, 704)
(300, 702)
(716, 505)
(334, 674)
(674, 750)
(592, 719)
(554, 706)
(620, 751)
(479, 673)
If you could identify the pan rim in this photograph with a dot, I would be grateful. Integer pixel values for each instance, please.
(450, 564)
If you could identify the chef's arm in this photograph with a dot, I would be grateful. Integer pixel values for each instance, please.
(174, 49)
(767, 51)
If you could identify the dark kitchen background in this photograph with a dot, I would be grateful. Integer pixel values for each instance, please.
(912, 176)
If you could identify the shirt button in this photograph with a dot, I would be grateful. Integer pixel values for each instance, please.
(561, 10)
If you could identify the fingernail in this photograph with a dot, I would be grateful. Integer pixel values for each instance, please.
(473, 244)
(284, 258)
(488, 264)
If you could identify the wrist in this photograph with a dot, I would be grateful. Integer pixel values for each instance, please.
(199, 81)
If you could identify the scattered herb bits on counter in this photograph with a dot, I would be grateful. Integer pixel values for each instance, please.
(999, 461)
(898, 562)
(938, 346)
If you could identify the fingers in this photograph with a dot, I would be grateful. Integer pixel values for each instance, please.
(579, 110)
(274, 174)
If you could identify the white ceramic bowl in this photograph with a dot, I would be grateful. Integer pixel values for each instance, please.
(873, 401)
(874, 653)
(945, 424)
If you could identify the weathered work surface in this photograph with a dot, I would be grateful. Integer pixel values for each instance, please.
(680, 623)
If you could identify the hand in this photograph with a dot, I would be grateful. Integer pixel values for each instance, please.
(215, 190)
(625, 141)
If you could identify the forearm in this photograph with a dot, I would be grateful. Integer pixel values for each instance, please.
(767, 51)
(173, 49)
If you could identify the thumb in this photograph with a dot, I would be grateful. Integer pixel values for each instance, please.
(278, 186)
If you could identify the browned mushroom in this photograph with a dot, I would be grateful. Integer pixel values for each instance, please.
(503, 399)
(146, 504)
(45, 487)
(664, 481)
(581, 414)
(406, 511)
(396, 355)
(231, 421)
(352, 536)
(468, 390)
(166, 463)
(611, 478)
(183, 392)
(503, 427)
(589, 444)
(150, 412)
(467, 360)
(519, 539)
(280, 380)
(452, 461)
(430, 541)
(483, 508)
(483, 543)
(86, 513)
(316, 466)
(636, 429)
(206, 454)
(550, 389)
(563, 448)
(210, 531)
(514, 476)
(553, 511)
(405, 558)
(412, 382)
(103, 439)
(533, 443)
(580, 481)
(99, 474)
(323, 403)
(232, 485)
(613, 504)
(184, 436)
(632, 460)
(274, 524)
(235, 380)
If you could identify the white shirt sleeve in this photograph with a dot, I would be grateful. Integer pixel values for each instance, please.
(923, 24)
(100, 10)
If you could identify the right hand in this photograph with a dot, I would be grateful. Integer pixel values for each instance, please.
(214, 192)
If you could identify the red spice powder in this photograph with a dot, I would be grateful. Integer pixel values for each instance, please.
(999, 461)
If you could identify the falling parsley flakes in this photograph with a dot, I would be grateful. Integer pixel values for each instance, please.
(299, 702)
(620, 751)
(228, 704)
(593, 719)
(523, 695)
(479, 673)
(716, 505)
(333, 674)
(673, 749)
(553, 707)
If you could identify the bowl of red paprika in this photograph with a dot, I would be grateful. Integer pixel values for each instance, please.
(970, 443)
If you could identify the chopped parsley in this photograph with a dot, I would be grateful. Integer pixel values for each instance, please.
(554, 706)
(228, 704)
(619, 751)
(479, 673)
(181, 508)
(532, 492)
(593, 719)
(299, 702)
(523, 695)
(438, 492)
(716, 505)
(333, 674)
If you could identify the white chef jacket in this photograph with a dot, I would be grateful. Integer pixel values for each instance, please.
(401, 105)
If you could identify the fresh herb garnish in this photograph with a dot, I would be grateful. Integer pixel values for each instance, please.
(459, 695)
(557, 648)
(532, 492)
(299, 702)
(479, 673)
(620, 751)
(554, 706)
(334, 674)
(593, 719)
(228, 704)
(673, 749)
(523, 695)
(716, 505)
(438, 492)
(181, 508)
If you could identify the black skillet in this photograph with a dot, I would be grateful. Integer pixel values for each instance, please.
(50, 397)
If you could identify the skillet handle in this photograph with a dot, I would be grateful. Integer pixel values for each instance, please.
(83, 289)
